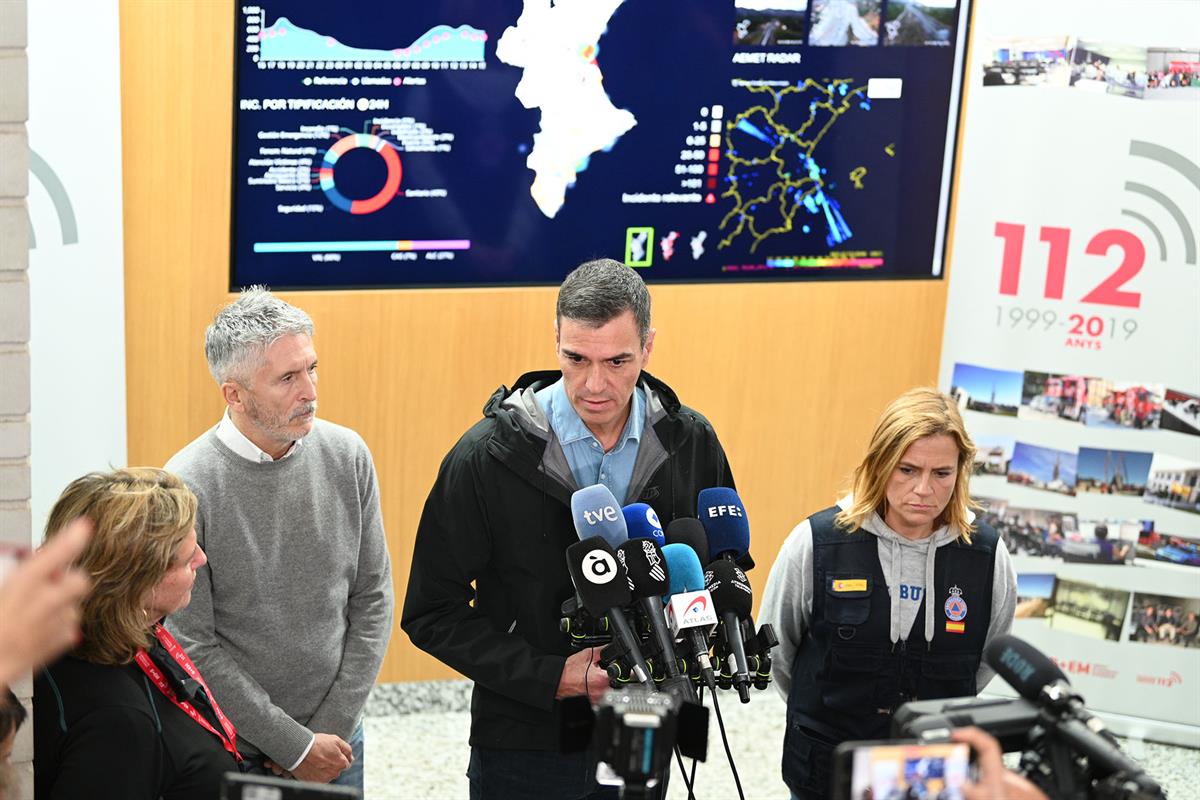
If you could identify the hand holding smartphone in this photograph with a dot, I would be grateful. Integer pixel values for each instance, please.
(902, 770)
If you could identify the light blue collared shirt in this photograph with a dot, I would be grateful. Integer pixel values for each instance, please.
(585, 456)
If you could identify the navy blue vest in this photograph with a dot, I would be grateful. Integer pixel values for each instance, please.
(848, 677)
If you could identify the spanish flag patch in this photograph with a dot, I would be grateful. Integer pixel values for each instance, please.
(956, 627)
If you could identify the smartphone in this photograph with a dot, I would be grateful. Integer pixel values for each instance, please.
(903, 769)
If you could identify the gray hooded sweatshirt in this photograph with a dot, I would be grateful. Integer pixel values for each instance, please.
(908, 567)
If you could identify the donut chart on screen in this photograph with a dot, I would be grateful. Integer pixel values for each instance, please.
(354, 141)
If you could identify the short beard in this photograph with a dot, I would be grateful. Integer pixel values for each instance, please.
(276, 428)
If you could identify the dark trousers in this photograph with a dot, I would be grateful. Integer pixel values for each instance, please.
(534, 775)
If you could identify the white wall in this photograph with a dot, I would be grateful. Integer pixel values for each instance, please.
(76, 264)
(14, 318)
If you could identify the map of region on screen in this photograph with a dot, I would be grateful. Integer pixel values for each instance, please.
(460, 143)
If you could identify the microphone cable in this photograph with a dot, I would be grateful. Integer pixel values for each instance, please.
(683, 773)
(728, 753)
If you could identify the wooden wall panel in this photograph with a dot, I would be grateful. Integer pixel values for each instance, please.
(792, 375)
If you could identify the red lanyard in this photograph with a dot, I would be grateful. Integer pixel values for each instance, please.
(176, 652)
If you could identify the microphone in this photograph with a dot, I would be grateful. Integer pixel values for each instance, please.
(647, 569)
(603, 588)
(1025, 668)
(642, 522)
(597, 513)
(733, 599)
(1038, 679)
(726, 527)
(690, 609)
(689, 532)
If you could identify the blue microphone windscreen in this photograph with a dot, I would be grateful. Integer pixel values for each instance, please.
(723, 516)
(597, 513)
(642, 522)
(683, 568)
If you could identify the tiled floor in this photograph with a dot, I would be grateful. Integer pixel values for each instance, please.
(423, 754)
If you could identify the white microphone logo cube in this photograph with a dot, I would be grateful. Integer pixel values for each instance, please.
(691, 610)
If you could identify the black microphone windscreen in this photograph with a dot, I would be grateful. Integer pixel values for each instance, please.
(729, 588)
(647, 568)
(1023, 666)
(689, 531)
(600, 581)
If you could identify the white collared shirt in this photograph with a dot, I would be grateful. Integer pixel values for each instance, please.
(237, 441)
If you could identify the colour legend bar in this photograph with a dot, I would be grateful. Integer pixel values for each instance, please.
(823, 261)
(383, 245)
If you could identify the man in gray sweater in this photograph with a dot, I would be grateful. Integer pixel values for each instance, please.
(290, 619)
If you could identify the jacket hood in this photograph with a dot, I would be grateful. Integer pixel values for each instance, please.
(893, 549)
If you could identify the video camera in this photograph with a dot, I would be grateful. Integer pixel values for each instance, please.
(1065, 751)
(632, 734)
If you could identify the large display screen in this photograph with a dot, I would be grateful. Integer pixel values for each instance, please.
(492, 142)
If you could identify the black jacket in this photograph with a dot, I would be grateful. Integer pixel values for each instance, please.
(499, 516)
(105, 732)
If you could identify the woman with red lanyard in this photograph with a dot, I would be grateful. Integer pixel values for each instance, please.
(126, 715)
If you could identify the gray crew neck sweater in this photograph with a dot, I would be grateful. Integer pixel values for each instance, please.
(290, 619)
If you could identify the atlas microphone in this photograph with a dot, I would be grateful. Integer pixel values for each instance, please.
(733, 599)
(690, 611)
(603, 588)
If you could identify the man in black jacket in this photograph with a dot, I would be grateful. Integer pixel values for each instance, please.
(499, 516)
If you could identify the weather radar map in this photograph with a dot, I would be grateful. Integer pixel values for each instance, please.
(774, 176)
(466, 143)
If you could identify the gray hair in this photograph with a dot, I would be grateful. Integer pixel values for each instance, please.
(244, 329)
(599, 291)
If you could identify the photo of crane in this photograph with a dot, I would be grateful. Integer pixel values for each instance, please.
(1112, 471)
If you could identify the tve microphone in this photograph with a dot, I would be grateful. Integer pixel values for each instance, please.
(733, 598)
(689, 532)
(642, 522)
(726, 526)
(603, 587)
(597, 513)
(1037, 678)
(647, 568)
(690, 611)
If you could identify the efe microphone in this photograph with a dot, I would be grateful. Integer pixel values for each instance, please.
(733, 599)
(726, 527)
(603, 587)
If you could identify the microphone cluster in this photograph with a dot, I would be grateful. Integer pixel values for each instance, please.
(641, 594)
